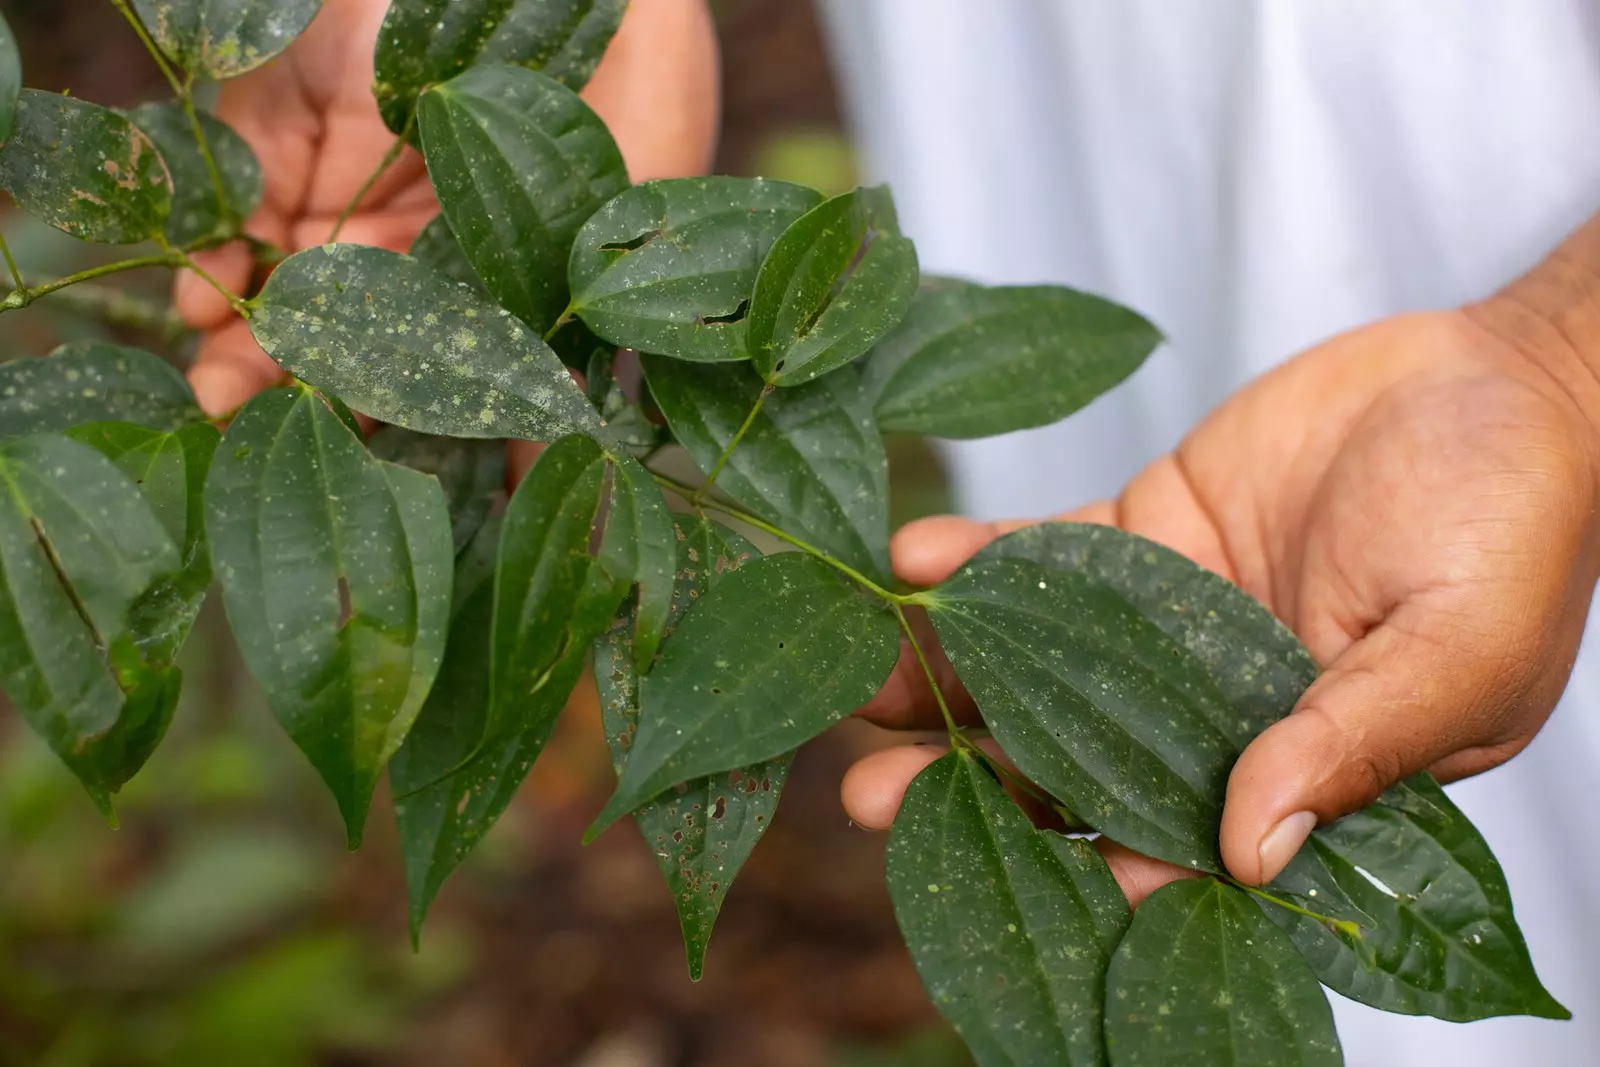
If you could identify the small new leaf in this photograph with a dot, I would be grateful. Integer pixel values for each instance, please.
(784, 648)
(668, 266)
(85, 170)
(836, 281)
(1011, 928)
(1203, 977)
(407, 346)
(196, 212)
(93, 381)
(221, 39)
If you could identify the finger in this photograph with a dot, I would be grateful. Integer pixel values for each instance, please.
(230, 368)
(1419, 688)
(928, 551)
(1138, 875)
(394, 228)
(197, 300)
(520, 458)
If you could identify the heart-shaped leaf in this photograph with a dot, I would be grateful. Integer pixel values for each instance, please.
(334, 569)
(197, 214)
(974, 361)
(1011, 928)
(786, 649)
(425, 42)
(1203, 977)
(519, 163)
(85, 169)
(10, 79)
(471, 472)
(407, 346)
(811, 461)
(220, 39)
(92, 381)
(668, 266)
(834, 284)
(702, 833)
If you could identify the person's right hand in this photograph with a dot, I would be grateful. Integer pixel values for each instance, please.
(311, 118)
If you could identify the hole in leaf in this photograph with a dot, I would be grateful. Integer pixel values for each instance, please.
(629, 246)
(715, 691)
(721, 809)
(345, 609)
(737, 315)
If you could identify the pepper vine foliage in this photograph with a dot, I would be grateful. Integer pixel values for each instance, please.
(401, 615)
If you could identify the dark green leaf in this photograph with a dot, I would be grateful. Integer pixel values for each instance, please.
(332, 566)
(1093, 702)
(424, 42)
(1011, 928)
(640, 546)
(471, 472)
(79, 545)
(701, 833)
(1444, 942)
(92, 381)
(973, 361)
(405, 346)
(436, 247)
(832, 286)
(519, 163)
(10, 79)
(196, 212)
(170, 470)
(85, 169)
(668, 266)
(787, 649)
(812, 460)
(1203, 977)
(221, 39)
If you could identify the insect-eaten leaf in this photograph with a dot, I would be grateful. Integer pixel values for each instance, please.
(519, 163)
(781, 650)
(425, 42)
(85, 170)
(974, 361)
(221, 39)
(702, 832)
(1203, 977)
(668, 266)
(197, 211)
(1011, 928)
(93, 381)
(472, 472)
(407, 346)
(810, 461)
(834, 283)
(335, 570)
(79, 547)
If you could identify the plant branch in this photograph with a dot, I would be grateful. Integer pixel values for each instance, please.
(234, 300)
(956, 736)
(230, 219)
(11, 264)
(384, 164)
(727, 453)
(1343, 926)
(19, 298)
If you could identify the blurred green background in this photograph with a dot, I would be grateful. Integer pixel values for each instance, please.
(224, 924)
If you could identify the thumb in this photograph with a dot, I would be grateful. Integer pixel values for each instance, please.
(1421, 688)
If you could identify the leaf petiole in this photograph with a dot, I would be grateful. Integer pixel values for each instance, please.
(727, 453)
(384, 164)
(1342, 926)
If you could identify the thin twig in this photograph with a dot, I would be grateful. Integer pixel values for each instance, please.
(19, 298)
(384, 164)
(727, 453)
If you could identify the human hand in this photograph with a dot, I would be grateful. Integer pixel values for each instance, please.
(1416, 500)
(311, 118)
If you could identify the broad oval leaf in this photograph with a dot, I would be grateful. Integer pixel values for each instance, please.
(79, 545)
(10, 79)
(425, 42)
(221, 39)
(811, 462)
(668, 266)
(1093, 702)
(641, 547)
(1203, 977)
(334, 569)
(702, 832)
(974, 361)
(519, 163)
(472, 472)
(85, 169)
(197, 212)
(1444, 941)
(787, 648)
(437, 249)
(834, 284)
(407, 346)
(93, 381)
(1011, 928)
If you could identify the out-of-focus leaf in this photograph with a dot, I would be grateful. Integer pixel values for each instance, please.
(196, 212)
(220, 39)
(472, 472)
(437, 248)
(92, 381)
(10, 79)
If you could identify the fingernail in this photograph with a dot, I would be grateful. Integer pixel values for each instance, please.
(1283, 841)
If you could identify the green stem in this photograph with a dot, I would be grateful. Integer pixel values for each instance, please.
(384, 164)
(16, 275)
(229, 218)
(1344, 926)
(150, 46)
(727, 453)
(561, 320)
(957, 738)
(234, 300)
(23, 297)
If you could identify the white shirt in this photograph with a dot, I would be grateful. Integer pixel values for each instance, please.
(1255, 176)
